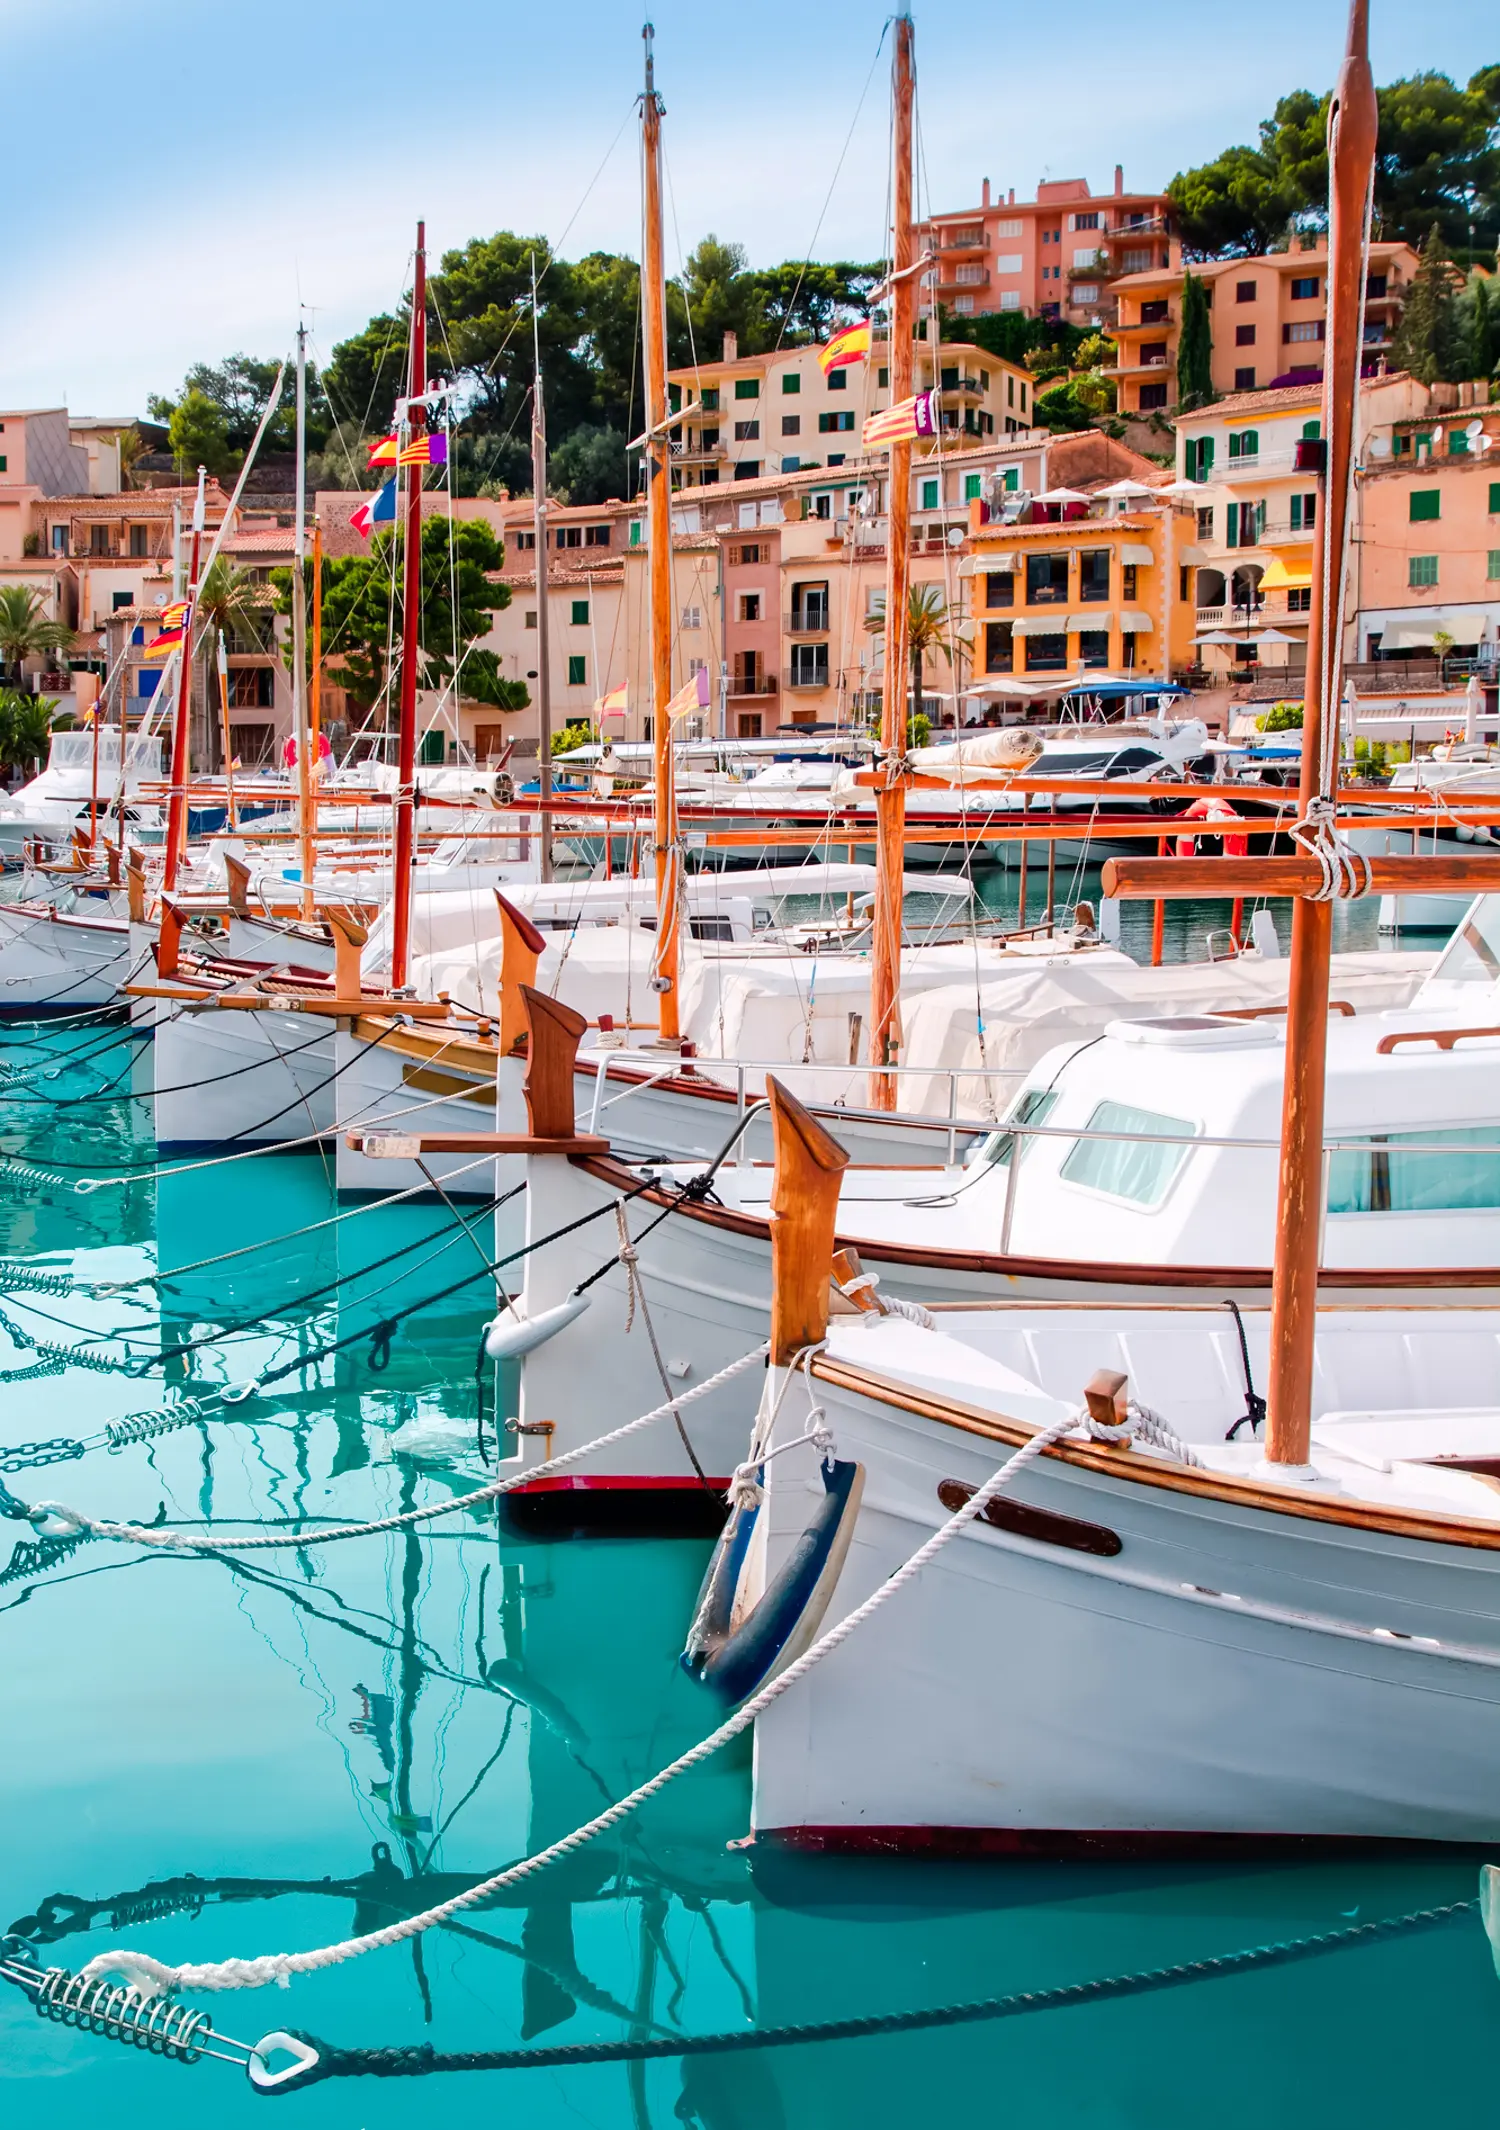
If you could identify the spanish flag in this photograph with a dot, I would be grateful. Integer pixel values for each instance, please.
(614, 704)
(384, 452)
(172, 631)
(852, 345)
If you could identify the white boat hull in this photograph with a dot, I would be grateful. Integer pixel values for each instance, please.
(50, 962)
(227, 1077)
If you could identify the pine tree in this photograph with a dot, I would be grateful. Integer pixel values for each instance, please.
(1195, 347)
(1427, 339)
(1482, 337)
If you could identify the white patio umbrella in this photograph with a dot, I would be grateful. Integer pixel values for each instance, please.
(1063, 495)
(1126, 488)
(1180, 488)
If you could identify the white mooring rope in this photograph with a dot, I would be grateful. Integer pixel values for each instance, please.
(152, 1978)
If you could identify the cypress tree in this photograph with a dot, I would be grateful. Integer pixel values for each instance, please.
(1483, 337)
(1195, 383)
(1427, 339)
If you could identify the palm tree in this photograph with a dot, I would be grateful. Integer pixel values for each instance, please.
(931, 626)
(25, 630)
(25, 728)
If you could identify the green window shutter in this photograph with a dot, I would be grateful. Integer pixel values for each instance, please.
(1495, 499)
(1493, 572)
(883, 377)
(1250, 444)
(1296, 513)
(580, 613)
(929, 495)
(1424, 504)
(747, 388)
(1232, 526)
(635, 532)
(1458, 443)
(971, 487)
(791, 381)
(433, 747)
(1422, 570)
(1260, 521)
(1012, 479)
(577, 672)
(1312, 429)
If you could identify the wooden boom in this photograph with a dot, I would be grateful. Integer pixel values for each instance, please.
(1188, 879)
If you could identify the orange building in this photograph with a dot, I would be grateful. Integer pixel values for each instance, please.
(1057, 255)
(1266, 316)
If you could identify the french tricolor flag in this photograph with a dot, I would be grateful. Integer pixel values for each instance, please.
(378, 509)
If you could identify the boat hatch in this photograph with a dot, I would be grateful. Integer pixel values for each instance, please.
(1196, 1031)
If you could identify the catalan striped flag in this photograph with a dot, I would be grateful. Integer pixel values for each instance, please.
(614, 704)
(692, 695)
(429, 449)
(172, 631)
(916, 416)
(852, 345)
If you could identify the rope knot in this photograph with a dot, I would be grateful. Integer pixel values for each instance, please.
(1346, 872)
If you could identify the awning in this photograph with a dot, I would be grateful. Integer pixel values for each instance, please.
(1194, 557)
(1134, 551)
(985, 565)
(1037, 625)
(1098, 617)
(1289, 572)
(1135, 623)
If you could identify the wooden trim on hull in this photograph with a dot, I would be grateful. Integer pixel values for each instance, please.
(1138, 1470)
(1062, 1270)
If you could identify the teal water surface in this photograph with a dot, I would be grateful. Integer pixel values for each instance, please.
(206, 1757)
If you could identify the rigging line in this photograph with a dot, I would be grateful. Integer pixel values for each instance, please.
(832, 183)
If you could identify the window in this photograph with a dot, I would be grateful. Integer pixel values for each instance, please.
(791, 381)
(747, 470)
(123, 599)
(748, 556)
(929, 496)
(1008, 262)
(1093, 574)
(598, 535)
(531, 617)
(1199, 458)
(1395, 1176)
(1000, 588)
(747, 388)
(1125, 1168)
(1376, 284)
(146, 680)
(790, 463)
(1245, 524)
(1422, 570)
(1244, 292)
(1305, 288)
(746, 432)
(524, 539)
(1495, 499)
(1304, 513)
(1093, 647)
(1084, 221)
(882, 378)
(140, 540)
(1128, 577)
(1244, 336)
(692, 617)
(1493, 570)
(570, 536)
(1046, 654)
(1299, 599)
(841, 418)
(972, 486)
(809, 665)
(1156, 313)
(1012, 479)
(98, 539)
(1085, 292)
(998, 647)
(1046, 580)
(1424, 504)
(1244, 380)
(749, 606)
(964, 305)
(1244, 444)
(637, 531)
(577, 672)
(708, 399)
(791, 425)
(1458, 443)
(580, 613)
(1008, 229)
(810, 608)
(1152, 397)
(4, 463)
(838, 380)
(1310, 329)
(1206, 523)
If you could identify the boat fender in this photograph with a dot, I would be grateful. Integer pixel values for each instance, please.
(735, 1660)
(508, 1337)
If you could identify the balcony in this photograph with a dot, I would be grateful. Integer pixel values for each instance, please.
(964, 278)
(806, 621)
(808, 680)
(1088, 265)
(954, 387)
(752, 684)
(970, 239)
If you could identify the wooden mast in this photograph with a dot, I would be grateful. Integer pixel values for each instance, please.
(890, 793)
(543, 618)
(658, 451)
(299, 643)
(177, 804)
(222, 662)
(315, 720)
(411, 430)
(1352, 125)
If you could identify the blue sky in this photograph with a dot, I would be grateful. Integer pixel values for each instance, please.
(192, 170)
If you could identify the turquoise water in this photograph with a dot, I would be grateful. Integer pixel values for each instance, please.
(211, 1757)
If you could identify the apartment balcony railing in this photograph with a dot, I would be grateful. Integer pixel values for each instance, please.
(963, 277)
(961, 388)
(743, 684)
(808, 678)
(962, 239)
(806, 621)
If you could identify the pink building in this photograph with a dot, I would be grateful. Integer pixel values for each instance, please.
(1055, 255)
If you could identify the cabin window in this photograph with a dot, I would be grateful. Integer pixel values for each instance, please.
(1397, 1173)
(1033, 1106)
(1129, 1167)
